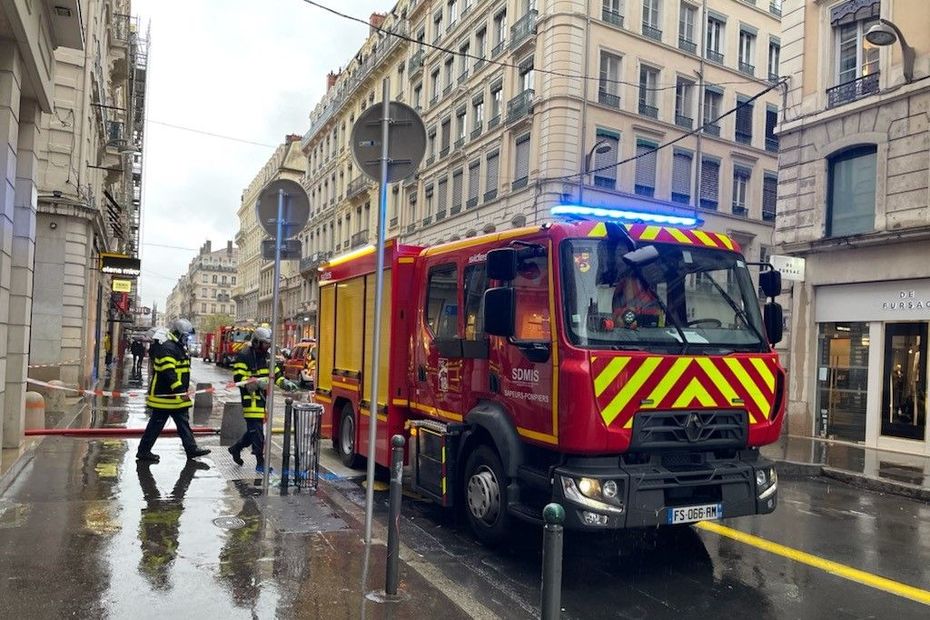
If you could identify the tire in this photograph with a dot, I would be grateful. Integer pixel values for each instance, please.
(344, 440)
(485, 496)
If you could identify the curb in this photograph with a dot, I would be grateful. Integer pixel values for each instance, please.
(793, 470)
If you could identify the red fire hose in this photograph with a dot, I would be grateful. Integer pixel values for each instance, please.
(114, 432)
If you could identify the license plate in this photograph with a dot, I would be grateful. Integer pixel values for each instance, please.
(690, 514)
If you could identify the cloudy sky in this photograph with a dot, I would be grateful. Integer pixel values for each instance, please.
(249, 69)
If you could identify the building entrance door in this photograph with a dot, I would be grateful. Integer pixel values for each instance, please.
(904, 381)
(842, 381)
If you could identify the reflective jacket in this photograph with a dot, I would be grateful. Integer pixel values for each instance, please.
(171, 366)
(250, 364)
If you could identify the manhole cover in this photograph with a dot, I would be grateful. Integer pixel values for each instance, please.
(229, 523)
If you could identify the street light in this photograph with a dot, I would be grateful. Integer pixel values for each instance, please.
(885, 33)
(600, 147)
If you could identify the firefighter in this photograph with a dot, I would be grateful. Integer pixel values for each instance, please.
(635, 305)
(167, 395)
(252, 363)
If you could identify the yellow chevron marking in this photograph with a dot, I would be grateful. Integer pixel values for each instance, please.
(612, 410)
(704, 237)
(629, 423)
(694, 390)
(680, 236)
(650, 233)
(668, 381)
(599, 230)
(609, 373)
(716, 377)
(749, 385)
(765, 372)
(725, 241)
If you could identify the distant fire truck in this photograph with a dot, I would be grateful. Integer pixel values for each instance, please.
(623, 370)
(228, 341)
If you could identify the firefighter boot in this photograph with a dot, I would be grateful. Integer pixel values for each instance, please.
(147, 457)
(236, 451)
(197, 452)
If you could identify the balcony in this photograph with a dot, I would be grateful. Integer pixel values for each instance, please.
(309, 263)
(448, 88)
(459, 143)
(743, 137)
(608, 99)
(430, 160)
(775, 8)
(523, 30)
(747, 68)
(490, 195)
(471, 203)
(115, 134)
(498, 49)
(476, 131)
(850, 91)
(494, 122)
(648, 110)
(456, 209)
(712, 129)
(773, 77)
(393, 222)
(519, 183)
(356, 186)
(463, 76)
(416, 61)
(714, 56)
(443, 152)
(440, 215)
(652, 32)
(427, 220)
(411, 228)
(687, 46)
(740, 210)
(768, 215)
(478, 64)
(433, 100)
(360, 238)
(684, 121)
(520, 106)
(612, 17)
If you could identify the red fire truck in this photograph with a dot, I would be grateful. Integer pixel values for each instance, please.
(228, 341)
(207, 348)
(623, 370)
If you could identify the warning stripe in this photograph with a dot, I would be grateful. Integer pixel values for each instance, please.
(132, 393)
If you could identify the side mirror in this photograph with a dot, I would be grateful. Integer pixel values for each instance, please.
(770, 283)
(500, 311)
(774, 321)
(502, 264)
(641, 256)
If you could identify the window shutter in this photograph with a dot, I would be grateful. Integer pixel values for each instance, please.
(681, 174)
(457, 189)
(645, 164)
(744, 120)
(710, 177)
(474, 172)
(443, 192)
(522, 166)
(605, 164)
(769, 196)
(493, 163)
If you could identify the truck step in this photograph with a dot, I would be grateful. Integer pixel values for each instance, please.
(532, 477)
(526, 513)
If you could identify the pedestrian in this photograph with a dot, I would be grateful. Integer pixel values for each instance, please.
(107, 350)
(168, 387)
(252, 363)
(138, 353)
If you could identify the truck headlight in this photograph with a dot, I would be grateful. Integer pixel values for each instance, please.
(766, 482)
(589, 492)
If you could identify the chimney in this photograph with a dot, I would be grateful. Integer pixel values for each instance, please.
(229, 248)
(292, 137)
(207, 246)
(331, 78)
(375, 21)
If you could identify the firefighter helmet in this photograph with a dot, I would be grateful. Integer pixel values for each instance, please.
(261, 335)
(181, 327)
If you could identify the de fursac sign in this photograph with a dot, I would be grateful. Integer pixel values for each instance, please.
(897, 300)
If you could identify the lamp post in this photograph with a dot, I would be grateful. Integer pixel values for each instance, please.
(885, 33)
(600, 147)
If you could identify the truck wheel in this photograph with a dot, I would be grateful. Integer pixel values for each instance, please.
(345, 439)
(486, 496)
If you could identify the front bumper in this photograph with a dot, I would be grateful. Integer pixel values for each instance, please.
(645, 493)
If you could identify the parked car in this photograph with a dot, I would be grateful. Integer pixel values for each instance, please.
(300, 365)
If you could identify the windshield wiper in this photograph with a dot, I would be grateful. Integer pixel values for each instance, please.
(739, 311)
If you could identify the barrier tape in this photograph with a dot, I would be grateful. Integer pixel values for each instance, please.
(55, 365)
(130, 393)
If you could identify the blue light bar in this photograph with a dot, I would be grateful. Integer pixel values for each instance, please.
(628, 216)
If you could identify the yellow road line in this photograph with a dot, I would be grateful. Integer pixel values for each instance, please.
(834, 568)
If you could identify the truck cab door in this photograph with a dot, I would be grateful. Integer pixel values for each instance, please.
(439, 385)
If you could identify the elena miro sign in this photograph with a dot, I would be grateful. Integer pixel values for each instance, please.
(894, 300)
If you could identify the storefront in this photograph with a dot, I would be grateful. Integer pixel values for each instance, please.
(871, 365)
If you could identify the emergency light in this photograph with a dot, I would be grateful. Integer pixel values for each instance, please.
(627, 216)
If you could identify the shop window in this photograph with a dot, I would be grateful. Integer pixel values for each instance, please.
(842, 380)
(904, 388)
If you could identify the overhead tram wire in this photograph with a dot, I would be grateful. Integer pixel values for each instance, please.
(500, 63)
(211, 134)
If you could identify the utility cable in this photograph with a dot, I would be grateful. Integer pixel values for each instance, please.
(500, 63)
(211, 134)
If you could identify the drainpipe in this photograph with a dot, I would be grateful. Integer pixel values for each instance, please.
(700, 110)
(584, 102)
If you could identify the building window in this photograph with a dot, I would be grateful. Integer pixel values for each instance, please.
(605, 163)
(474, 181)
(493, 164)
(222, 308)
(428, 193)
(651, 19)
(712, 101)
(851, 192)
(681, 176)
(526, 75)
(747, 51)
(234, 280)
(461, 126)
(608, 91)
(478, 114)
(500, 32)
(430, 145)
(741, 176)
(213, 308)
(771, 121)
(437, 26)
(445, 132)
(453, 11)
(418, 96)
(774, 59)
(497, 102)
(457, 182)
(521, 167)
(648, 81)
(714, 40)
(710, 183)
(205, 278)
(769, 196)
(464, 55)
(855, 57)
(442, 198)
(449, 71)
(203, 292)
(743, 121)
(612, 12)
(203, 308)
(645, 168)
(684, 90)
(686, 18)
(434, 93)
(214, 278)
(480, 37)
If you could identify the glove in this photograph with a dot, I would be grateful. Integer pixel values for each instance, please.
(263, 384)
(289, 386)
(251, 387)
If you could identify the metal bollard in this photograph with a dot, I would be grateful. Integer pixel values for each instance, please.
(393, 541)
(286, 458)
(551, 603)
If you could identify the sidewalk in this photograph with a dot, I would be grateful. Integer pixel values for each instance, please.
(87, 531)
(877, 470)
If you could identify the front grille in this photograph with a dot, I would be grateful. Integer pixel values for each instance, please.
(690, 429)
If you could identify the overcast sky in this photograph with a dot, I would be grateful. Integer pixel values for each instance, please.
(251, 69)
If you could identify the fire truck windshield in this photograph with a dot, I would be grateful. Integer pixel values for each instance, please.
(240, 335)
(701, 295)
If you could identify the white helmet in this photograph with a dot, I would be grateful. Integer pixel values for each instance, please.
(181, 327)
(261, 335)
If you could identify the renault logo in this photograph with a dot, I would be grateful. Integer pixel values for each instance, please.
(693, 427)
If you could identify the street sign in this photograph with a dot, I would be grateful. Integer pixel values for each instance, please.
(406, 143)
(122, 286)
(119, 264)
(791, 267)
(290, 249)
(296, 210)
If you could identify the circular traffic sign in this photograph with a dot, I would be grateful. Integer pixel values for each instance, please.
(406, 141)
(296, 210)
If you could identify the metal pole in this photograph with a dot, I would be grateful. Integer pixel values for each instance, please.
(584, 102)
(551, 597)
(393, 537)
(379, 294)
(286, 457)
(269, 395)
(698, 162)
